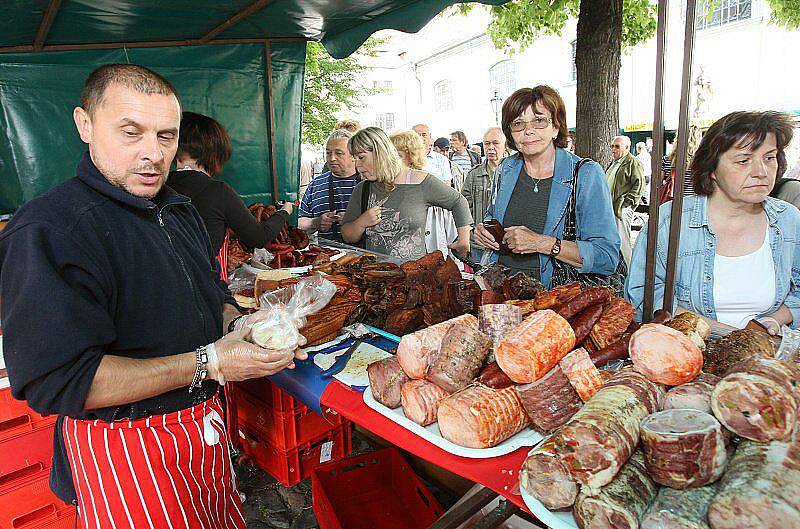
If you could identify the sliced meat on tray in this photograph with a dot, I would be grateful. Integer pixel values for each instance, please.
(550, 402)
(460, 357)
(664, 355)
(617, 315)
(535, 346)
(481, 417)
(545, 477)
(679, 509)
(758, 399)
(722, 354)
(696, 395)
(761, 487)
(386, 377)
(603, 434)
(416, 350)
(621, 503)
(582, 373)
(497, 320)
(683, 448)
(420, 400)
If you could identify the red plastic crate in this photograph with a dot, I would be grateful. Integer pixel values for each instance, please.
(28, 503)
(293, 466)
(283, 430)
(378, 489)
(271, 394)
(17, 418)
(26, 454)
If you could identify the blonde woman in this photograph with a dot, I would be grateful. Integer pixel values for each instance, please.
(440, 227)
(389, 207)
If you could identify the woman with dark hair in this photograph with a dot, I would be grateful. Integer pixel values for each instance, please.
(532, 189)
(203, 148)
(739, 252)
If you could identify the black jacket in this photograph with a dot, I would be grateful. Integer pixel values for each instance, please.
(221, 208)
(88, 269)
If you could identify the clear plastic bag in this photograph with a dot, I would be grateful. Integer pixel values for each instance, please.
(287, 309)
(261, 258)
(241, 279)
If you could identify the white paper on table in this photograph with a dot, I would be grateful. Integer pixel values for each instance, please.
(355, 372)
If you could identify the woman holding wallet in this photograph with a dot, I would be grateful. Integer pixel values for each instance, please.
(526, 215)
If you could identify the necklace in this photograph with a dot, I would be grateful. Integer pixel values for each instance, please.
(536, 186)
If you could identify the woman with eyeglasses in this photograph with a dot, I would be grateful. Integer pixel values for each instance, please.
(531, 192)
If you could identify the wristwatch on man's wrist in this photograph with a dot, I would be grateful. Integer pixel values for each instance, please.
(556, 248)
(200, 369)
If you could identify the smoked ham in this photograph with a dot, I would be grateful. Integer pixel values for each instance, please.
(420, 400)
(683, 448)
(386, 377)
(535, 346)
(679, 509)
(603, 434)
(693, 326)
(664, 355)
(617, 315)
(480, 417)
(759, 399)
(741, 344)
(416, 350)
(556, 296)
(696, 395)
(761, 488)
(545, 477)
(550, 401)
(582, 373)
(621, 503)
(460, 357)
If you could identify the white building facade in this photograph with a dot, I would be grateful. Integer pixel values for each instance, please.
(448, 74)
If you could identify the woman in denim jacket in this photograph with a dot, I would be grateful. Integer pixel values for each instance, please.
(739, 257)
(532, 189)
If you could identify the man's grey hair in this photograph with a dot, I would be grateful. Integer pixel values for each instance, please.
(132, 76)
(340, 134)
(626, 140)
(493, 129)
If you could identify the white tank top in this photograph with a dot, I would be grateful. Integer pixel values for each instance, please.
(744, 286)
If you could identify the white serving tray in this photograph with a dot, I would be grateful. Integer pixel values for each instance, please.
(430, 433)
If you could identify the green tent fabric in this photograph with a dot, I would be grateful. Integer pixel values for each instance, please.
(38, 89)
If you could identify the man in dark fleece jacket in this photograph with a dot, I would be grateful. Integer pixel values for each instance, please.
(113, 319)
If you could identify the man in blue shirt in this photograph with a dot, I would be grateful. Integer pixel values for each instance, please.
(326, 198)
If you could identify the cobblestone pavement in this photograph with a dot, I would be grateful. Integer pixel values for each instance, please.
(270, 505)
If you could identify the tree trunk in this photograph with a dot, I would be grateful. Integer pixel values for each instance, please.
(597, 59)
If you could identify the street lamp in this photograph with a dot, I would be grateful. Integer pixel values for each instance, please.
(496, 101)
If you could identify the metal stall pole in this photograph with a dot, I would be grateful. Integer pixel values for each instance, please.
(655, 162)
(680, 162)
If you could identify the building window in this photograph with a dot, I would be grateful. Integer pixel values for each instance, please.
(574, 45)
(711, 13)
(442, 96)
(385, 121)
(502, 79)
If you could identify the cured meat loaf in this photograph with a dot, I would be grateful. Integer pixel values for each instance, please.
(386, 378)
(693, 326)
(761, 488)
(420, 400)
(603, 434)
(679, 509)
(480, 417)
(582, 373)
(459, 358)
(493, 376)
(683, 448)
(759, 399)
(621, 503)
(416, 350)
(587, 298)
(535, 346)
(550, 401)
(696, 395)
(497, 320)
(664, 355)
(720, 355)
(617, 315)
(545, 477)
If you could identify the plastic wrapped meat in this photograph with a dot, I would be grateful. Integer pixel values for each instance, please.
(683, 448)
(664, 355)
(550, 402)
(696, 395)
(497, 320)
(545, 477)
(480, 417)
(460, 357)
(416, 350)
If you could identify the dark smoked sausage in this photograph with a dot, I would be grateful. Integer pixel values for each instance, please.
(494, 377)
(616, 351)
(584, 321)
(587, 298)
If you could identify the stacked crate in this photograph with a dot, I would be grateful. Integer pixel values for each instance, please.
(26, 455)
(283, 436)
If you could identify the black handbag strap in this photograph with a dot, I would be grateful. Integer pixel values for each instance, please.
(570, 231)
(365, 196)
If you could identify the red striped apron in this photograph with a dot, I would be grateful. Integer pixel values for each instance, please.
(222, 257)
(165, 471)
